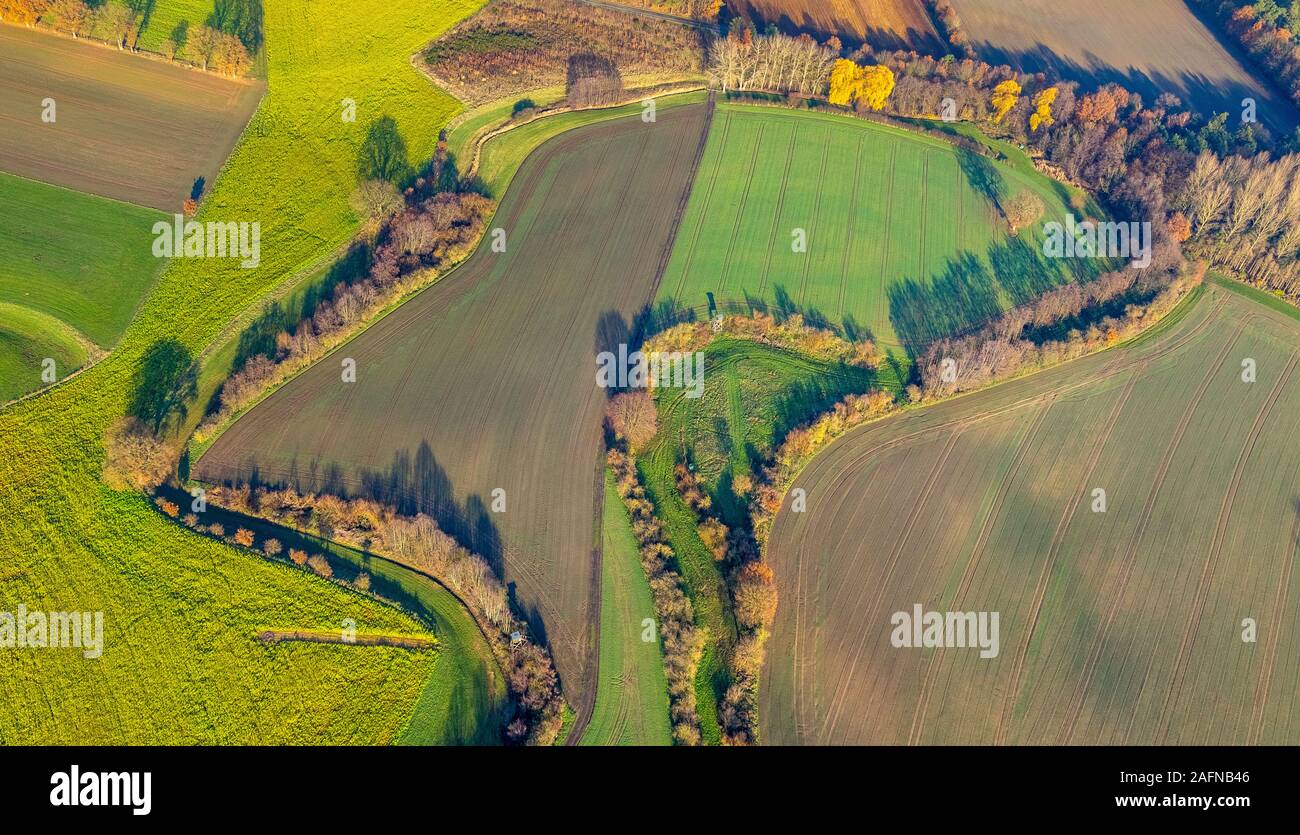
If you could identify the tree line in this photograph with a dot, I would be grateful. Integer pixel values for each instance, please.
(681, 641)
(224, 43)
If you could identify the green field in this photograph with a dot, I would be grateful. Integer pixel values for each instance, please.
(27, 340)
(1120, 623)
(180, 663)
(632, 691)
(903, 240)
(753, 395)
(163, 18)
(503, 344)
(76, 267)
(83, 259)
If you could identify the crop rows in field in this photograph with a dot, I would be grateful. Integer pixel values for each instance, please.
(632, 691)
(1119, 626)
(884, 24)
(902, 238)
(486, 381)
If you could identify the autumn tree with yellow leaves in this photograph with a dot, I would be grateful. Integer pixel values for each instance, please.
(851, 83)
(1005, 96)
(1042, 115)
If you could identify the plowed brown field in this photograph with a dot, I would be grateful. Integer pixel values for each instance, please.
(487, 379)
(884, 24)
(125, 127)
(1149, 46)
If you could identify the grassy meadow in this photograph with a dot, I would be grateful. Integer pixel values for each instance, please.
(76, 268)
(632, 691)
(902, 240)
(180, 663)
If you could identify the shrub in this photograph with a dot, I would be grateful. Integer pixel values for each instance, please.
(320, 565)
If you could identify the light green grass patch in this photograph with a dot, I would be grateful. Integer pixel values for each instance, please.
(83, 259)
(632, 694)
(181, 664)
(27, 340)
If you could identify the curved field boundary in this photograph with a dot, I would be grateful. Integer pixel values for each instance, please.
(1154, 349)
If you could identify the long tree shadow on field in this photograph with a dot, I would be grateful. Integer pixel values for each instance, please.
(1025, 274)
(419, 484)
(810, 397)
(982, 175)
(958, 300)
(784, 306)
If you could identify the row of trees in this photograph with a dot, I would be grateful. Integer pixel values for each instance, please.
(749, 580)
(682, 641)
(790, 332)
(1094, 316)
(776, 63)
(120, 23)
(1136, 155)
(800, 444)
(953, 28)
(417, 542)
(1245, 214)
(752, 587)
(415, 240)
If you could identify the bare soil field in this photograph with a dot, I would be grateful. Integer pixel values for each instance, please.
(486, 381)
(1118, 625)
(125, 127)
(1150, 47)
(883, 24)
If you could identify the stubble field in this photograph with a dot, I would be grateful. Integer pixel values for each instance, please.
(1149, 47)
(884, 24)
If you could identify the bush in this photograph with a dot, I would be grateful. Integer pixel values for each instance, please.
(320, 565)
(135, 458)
(633, 418)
